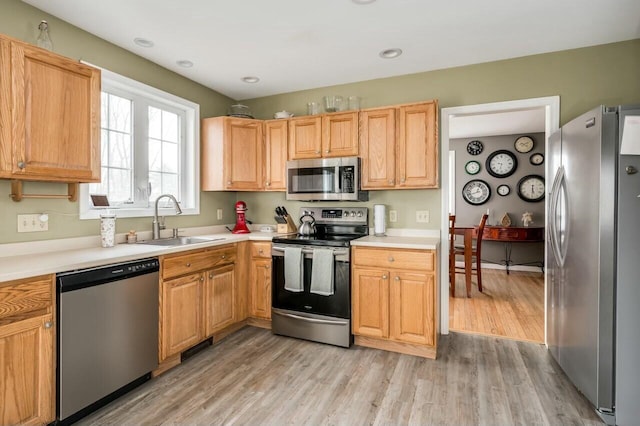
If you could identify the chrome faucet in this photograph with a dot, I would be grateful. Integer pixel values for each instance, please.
(158, 222)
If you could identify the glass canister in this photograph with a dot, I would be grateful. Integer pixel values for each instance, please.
(108, 229)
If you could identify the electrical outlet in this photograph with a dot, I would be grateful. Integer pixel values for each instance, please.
(422, 216)
(32, 223)
(393, 215)
(219, 214)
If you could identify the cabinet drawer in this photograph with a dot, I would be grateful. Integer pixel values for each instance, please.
(27, 295)
(262, 250)
(423, 260)
(189, 262)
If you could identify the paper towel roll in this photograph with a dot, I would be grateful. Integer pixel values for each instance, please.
(379, 219)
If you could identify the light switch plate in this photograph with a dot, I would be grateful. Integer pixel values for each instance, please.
(31, 223)
(219, 214)
(422, 216)
(393, 215)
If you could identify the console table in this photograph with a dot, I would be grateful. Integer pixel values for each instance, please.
(512, 234)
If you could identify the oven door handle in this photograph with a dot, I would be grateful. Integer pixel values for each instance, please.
(313, 320)
(307, 251)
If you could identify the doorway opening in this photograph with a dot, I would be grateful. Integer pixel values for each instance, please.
(498, 125)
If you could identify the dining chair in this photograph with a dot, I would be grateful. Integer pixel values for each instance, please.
(452, 254)
(476, 253)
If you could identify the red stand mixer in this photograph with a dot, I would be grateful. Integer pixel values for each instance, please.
(241, 222)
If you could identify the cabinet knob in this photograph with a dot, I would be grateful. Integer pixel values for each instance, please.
(21, 164)
(223, 256)
(317, 152)
(260, 251)
(391, 181)
(268, 183)
(391, 259)
(397, 278)
(327, 151)
(384, 277)
(201, 278)
(267, 267)
(48, 324)
(228, 182)
(210, 276)
(402, 180)
(188, 265)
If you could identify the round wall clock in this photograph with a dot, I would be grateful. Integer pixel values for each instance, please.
(472, 167)
(531, 188)
(523, 144)
(475, 147)
(503, 190)
(501, 163)
(476, 192)
(536, 159)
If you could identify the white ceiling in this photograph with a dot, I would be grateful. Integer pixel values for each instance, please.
(301, 44)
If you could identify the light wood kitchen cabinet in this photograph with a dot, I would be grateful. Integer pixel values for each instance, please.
(399, 146)
(232, 157)
(27, 370)
(49, 115)
(275, 154)
(394, 299)
(197, 297)
(329, 135)
(260, 280)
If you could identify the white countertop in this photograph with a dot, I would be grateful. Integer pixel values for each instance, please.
(420, 243)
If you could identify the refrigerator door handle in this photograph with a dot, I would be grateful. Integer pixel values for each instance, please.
(559, 188)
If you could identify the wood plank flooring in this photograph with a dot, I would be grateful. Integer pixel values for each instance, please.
(255, 378)
(509, 306)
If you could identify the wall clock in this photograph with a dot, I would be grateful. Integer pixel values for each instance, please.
(476, 192)
(475, 147)
(503, 190)
(536, 159)
(531, 188)
(523, 144)
(472, 167)
(501, 163)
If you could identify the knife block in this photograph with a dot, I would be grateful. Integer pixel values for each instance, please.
(287, 228)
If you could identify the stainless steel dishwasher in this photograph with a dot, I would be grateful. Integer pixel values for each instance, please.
(107, 334)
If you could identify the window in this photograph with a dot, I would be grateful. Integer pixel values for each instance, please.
(149, 147)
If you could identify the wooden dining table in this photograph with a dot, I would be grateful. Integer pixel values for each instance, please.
(468, 233)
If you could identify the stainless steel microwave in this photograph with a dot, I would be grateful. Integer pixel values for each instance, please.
(325, 179)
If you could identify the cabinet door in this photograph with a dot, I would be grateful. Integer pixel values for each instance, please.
(340, 135)
(219, 296)
(275, 150)
(305, 138)
(56, 112)
(370, 302)
(26, 372)
(243, 154)
(412, 307)
(260, 284)
(417, 153)
(378, 148)
(181, 316)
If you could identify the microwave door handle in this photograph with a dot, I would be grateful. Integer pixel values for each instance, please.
(338, 180)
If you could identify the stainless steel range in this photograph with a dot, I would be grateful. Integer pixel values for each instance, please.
(311, 277)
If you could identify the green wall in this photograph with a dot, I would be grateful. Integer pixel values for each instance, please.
(582, 77)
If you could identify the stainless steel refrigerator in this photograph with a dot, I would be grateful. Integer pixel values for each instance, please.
(593, 258)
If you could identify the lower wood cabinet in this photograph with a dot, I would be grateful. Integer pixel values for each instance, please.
(196, 305)
(394, 299)
(27, 356)
(260, 281)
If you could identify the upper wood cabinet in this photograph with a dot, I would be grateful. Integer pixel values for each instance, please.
(399, 146)
(49, 115)
(328, 135)
(275, 154)
(232, 155)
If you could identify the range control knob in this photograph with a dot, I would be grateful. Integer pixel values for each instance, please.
(353, 214)
(359, 214)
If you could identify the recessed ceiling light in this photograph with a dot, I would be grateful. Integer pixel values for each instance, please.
(391, 53)
(363, 1)
(185, 63)
(143, 42)
(250, 79)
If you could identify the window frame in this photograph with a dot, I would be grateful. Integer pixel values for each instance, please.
(190, 148)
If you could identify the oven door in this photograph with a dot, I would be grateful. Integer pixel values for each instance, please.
(337, 305)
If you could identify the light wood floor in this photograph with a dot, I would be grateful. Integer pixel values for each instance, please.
(255, 378)
(509, 306)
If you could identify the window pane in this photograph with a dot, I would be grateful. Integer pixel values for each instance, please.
(156, 185)
(119, 185)
(119, 113)
(155, 123)
(104, 147)
(104, 110)
(120, 150)
(100, 187)
(155, 155)
(170, 185)
(169, 126)
(170, 157)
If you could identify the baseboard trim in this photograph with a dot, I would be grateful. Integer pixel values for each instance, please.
(521, 268)
(400, 347)
(259, 322)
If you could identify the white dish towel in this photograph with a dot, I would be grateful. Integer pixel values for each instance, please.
(293, 269)
(322, 272)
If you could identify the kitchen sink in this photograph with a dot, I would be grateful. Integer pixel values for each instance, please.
(179, 241)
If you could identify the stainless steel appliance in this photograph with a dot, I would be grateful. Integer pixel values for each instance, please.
(593, 289)
(306, 314)
(328, 179)
(107, 334)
